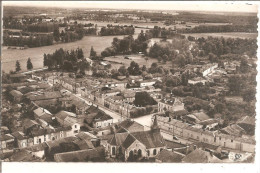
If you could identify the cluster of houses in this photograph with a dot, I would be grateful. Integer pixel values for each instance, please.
(198, 127)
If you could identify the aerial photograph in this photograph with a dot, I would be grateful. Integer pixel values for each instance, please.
(128, 82)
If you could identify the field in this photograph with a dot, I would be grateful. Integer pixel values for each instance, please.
(242, 35)
(118, 61)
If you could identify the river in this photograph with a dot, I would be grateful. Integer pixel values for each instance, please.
(10, 56)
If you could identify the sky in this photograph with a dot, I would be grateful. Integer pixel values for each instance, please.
(151, 5)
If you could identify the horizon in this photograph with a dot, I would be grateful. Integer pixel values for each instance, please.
(219, 7)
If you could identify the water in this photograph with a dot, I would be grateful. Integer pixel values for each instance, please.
(10, 56)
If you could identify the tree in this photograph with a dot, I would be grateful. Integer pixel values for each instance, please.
(45, 60)
(18, 66)
(29, 64)
(212, 57)
(244, 64)
(143, 99)
(134, 69)
(56, 34)
(181, 60)
(93, 53)
(122, 70)
(249, 94)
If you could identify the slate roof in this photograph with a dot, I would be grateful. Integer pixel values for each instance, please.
(169, 157)
(126, 124)
(233, 129)
(6, 137)
(85, 136)
(27, 123)
(201, 116)
(247, 120)
(118, 139)
(128, 141)
(38, 147)
(200, 156)
(19, 135)
(56, 143)
(41, 111)
(24, 156)
(16, 93)
(81, 155)
(46, 96)
(84, 144)
(151, 139)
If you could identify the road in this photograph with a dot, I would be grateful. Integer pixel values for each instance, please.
(146, 120)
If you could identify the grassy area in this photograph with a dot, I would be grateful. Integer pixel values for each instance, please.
(242, 35)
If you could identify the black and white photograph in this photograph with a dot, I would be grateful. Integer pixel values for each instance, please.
(119, 82)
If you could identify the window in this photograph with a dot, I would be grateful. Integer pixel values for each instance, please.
(154, 152)
(75, 126)
(113, 151)
(231, 140)
(148, 152)
(220, 138)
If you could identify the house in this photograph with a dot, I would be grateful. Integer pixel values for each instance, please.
(23, 155)
(187, 134)
(129, 96)
(197, 80)
(248, 124)
(86, 136)
(30, 125)
(200, 156)
(208, 68)
(55, 95)
(16, 95)
(80, 105)
(166, 156)
(38, 150)
(130, 126)
(196, 117)
(39, 112)
(20, 139)
(134, 79)
(233, 129)
(170, 104)
(146, 83)
(67, 119)
(18, 77)
(96, 118)
(7, 141)
(88, 155)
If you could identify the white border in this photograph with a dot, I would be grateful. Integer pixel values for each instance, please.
(8, 167)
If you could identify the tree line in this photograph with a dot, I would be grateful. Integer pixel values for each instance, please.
(30, 41)
(71, 61)
(117, 30)
(127, 45)
(220, 28)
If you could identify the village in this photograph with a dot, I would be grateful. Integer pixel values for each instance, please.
(152, 94)
(59, 118)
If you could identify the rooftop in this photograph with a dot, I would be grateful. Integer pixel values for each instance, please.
(169, 157)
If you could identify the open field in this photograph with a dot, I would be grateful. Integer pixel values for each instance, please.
(242, 35)
(118, 61)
